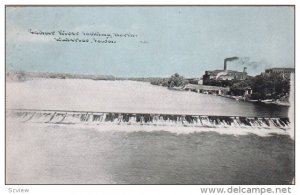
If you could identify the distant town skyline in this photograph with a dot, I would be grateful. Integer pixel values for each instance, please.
(149, 41)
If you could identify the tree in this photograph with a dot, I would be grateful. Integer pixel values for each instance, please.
(21, 76)
(176, 81)
(270, 86)
(238, 88)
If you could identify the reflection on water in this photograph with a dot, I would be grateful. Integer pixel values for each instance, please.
(267, 110)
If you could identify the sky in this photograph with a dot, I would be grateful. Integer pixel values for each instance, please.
(167, 39)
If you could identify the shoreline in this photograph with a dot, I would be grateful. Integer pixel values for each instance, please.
(237, 98)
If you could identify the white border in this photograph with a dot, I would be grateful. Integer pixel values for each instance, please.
(130, 189)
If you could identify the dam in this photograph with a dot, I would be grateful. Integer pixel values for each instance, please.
(80, 117)
(124, 132)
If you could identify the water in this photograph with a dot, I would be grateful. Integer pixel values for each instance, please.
(67, 155)
(127, 97)
(98, 118)
(44, 153)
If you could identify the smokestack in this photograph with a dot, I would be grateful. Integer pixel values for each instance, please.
(244, 72)
(229, 59)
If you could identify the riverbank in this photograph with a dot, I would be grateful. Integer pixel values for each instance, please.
(221, 91)
(265, 102)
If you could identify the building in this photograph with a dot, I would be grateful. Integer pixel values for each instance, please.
(280, 70)
(207, 89)
(224, 75)
(285, 72)
(195, 81)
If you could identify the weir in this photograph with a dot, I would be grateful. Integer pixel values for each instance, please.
(86, 117)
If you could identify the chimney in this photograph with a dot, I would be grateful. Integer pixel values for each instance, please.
(229, 59)
(244, 72)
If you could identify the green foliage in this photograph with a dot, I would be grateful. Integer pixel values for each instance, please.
(270, 86)
(264, 86)
(21, 76)
(174, 81)
(238, 88)
(221, 83)
(160, 81)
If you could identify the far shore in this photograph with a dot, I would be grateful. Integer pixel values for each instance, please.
(15, 77)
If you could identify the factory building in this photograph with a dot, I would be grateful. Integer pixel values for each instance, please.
(225, 74)
(285, 72)
(280, 70)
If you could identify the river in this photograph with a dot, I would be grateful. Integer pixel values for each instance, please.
(90, 154)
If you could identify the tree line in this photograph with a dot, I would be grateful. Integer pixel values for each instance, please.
(174, 81)
(264, 86)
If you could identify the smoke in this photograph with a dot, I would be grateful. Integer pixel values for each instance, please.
(246, 61)
(230, 59)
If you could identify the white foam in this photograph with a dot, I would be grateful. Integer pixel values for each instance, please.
(112, 127)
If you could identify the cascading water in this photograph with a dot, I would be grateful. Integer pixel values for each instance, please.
(71, 117)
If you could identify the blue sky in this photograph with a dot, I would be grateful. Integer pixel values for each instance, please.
(187, 40)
